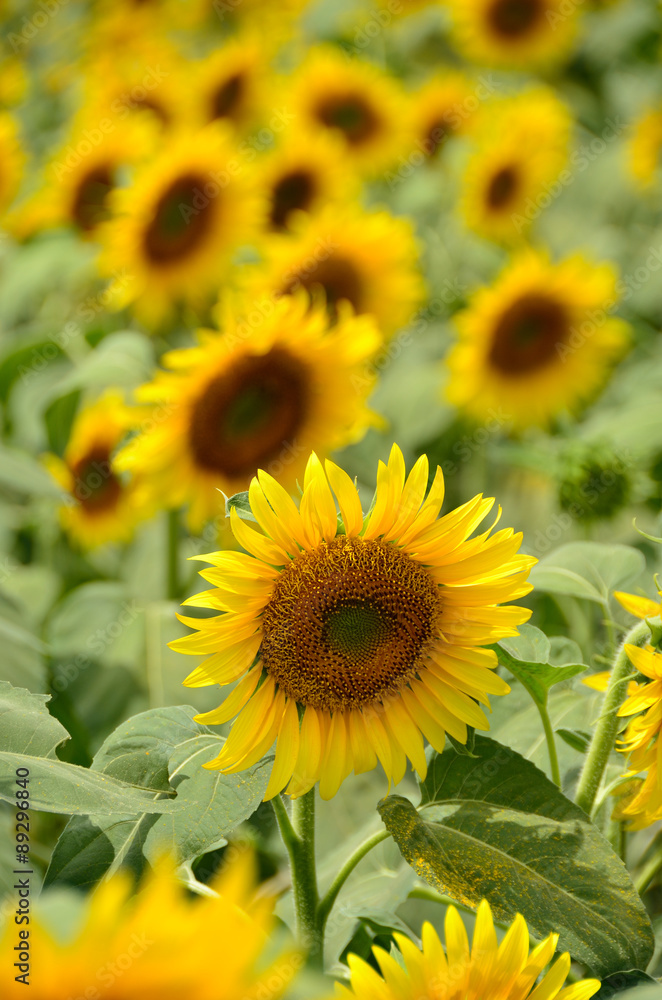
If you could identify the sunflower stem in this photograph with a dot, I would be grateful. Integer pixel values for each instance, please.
(298, 834)
(604, 736)
(647, 874)
(172, 528)
(551, 744)
(327, 901)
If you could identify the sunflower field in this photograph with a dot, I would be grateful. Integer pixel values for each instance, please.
(331, 499)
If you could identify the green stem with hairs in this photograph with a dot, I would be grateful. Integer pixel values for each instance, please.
(298, 834)
(551, 744)
(604, 736)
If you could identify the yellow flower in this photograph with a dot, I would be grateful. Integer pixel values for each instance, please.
(521, 148)
(350, 643)
(641, 740)
(159, 943)
(232, 83)
(640, 607)
(514, 34)
(369, 259)
(304, 174)
(273, 385)
(101, 506)
(356, 101)
(12, 160)
(538, 342)
(645, 147)
(177, 226)
(485, 971)
(442, 108)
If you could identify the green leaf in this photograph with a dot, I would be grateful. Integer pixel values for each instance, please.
(161, 749)
(124, 358)
(577, 740)
(240, 503)
(629, 986)
(22, 663)
(590, 570)
(26, 726)
(528, 657)
(20, 473)
(496, 828)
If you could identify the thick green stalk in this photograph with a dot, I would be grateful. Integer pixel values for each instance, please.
(298, 833)
(172, 527)
(604, 736)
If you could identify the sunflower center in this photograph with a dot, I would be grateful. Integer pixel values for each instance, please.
(339, 279)
(181, 221)
(350, 113)
(502, 187)
(513, 18)
(247, 416)
(293, 191)
(348, 623)
(89, 204)
(528, 334)
(227, 99)
(96, 487)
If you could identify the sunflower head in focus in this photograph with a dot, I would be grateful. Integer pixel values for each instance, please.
(537, 343)
(645, 147)
(442, 108)
(347, 255)
(260, 394)
(231, 84)
(514, 34)
(305, 174)
(101, 506)
(357, 102)
(486, 970)
(169, 937)
(179, 223)
(642, 803)
(353, 638)
(12, 160)
(521, 146)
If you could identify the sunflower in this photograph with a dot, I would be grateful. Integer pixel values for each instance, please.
(640, 607)
(232, 83)
(12, 160)
(177, 226)
(158, 943)
(442, 108)
(353, 640)
(486, 971)
(304, 174)
(369, 259)
(514, 34)
(522, 145)
(645, 147)
(642, 805)
(538, 342)
(355, 100)
(262, 393)
(101, 507)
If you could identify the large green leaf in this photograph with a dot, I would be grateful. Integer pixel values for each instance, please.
(590, 570)
(22, 655)
(633, 985)
(495, 827)
(528, 656)
(20, 473)
(26, 724)
(162, 749)
(122, 358)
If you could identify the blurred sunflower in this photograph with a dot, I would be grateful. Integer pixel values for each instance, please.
(101, 506)
(538, 342)
(645, 147)
(178, 224)
(305, 174)
(144, 82)
(358, 102)
(344, 254)
(232, 83)
(168, 937)
(367, 634)
(441, 109)
(276, 382)
(514, 34)
(522, 145)
(486, 971)
(12, 159)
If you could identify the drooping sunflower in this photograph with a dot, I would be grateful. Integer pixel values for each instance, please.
(522, 145)
(538, 342)
(369, 259)
(157, 943)
(304, 174)
(351, 641)
(262, 393)
(355, 100)
(485, 971)
(442, 108)
(514, 34)
(102, 506)
(12, 160)
(179, 223)
(645, 146)
(231, 84)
